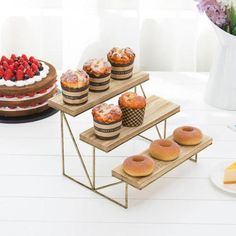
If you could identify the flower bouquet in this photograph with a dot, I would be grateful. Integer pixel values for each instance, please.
(221, 87)
(220, 12)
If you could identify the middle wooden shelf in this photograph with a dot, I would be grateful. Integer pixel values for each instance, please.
(157, 110)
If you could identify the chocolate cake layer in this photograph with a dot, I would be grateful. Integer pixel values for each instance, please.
(24, 112)
(29, 102)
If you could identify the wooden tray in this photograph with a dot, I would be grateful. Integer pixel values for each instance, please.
(157, 110)
(116, 87)
(161, 167)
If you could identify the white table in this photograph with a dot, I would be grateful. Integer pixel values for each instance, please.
(36, 200)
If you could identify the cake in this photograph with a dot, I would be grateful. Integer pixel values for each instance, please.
(107, 121)
(122, 60)
(230, 174)
(99, 71)
(26, 84)
(75, 86)
(133, 109)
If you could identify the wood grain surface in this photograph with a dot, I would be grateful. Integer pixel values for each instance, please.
(161, 167)
(157, 110)
(116, 87)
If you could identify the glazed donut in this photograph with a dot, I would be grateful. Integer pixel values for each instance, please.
(187, 135)
(138, 165)
(164, 150)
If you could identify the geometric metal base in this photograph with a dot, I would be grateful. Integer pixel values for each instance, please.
(92, 181)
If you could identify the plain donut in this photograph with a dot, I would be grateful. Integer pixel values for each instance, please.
(138, 165)
(187, 135)
(164, 150)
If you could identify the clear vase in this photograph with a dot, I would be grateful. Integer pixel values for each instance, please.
(221, 86)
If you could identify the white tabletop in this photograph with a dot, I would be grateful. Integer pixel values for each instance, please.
(35, 199)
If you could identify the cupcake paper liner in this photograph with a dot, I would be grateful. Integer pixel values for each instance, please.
(122, 72)
(132, 117)
(99, 84)
(75, 96)
(107, 131)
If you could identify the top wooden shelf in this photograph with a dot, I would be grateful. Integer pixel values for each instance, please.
(161, 167)
(116, 87)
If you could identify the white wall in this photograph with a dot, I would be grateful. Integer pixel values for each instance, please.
(166, 35)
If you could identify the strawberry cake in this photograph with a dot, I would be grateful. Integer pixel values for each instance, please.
(26, 84)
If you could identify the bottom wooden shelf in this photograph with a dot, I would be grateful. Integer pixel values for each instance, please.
(161, 167)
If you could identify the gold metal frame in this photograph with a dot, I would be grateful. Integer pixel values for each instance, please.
(92, 181)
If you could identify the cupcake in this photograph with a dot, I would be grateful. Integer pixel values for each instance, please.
(75, 86)
(122, 60)
(107, 121)
(99, 71)
(133, 109)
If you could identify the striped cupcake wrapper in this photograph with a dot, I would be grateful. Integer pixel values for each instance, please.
(75, 96)
(107, 131)
(99, 84)
(132, 117)
(122, 72)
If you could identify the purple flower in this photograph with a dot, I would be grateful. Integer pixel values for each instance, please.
(214, 10)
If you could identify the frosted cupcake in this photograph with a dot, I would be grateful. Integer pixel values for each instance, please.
(75, 86)
(99, 71)
(122, 60)
(107, 121)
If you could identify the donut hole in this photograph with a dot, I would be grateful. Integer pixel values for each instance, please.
(188, 129)
(138, 159)
(165, 143)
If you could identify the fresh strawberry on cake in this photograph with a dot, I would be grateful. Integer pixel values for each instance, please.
(26, 84)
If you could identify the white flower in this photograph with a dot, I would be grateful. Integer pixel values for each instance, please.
(227, 2)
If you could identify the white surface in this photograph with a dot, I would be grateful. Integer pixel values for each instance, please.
(217, 176)
(221, 87)
(36, 200)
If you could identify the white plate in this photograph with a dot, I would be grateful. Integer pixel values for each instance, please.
(217, 177)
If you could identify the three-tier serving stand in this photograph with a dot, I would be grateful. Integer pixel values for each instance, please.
(158, 110)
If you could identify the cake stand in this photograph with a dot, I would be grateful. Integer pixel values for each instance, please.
(158, 110)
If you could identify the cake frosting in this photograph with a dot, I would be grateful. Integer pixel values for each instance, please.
(97, 67)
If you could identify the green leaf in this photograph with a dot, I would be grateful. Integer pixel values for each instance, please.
(234, 31)
(232, 17)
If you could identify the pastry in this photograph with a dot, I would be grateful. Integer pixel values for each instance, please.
(122, 60)
(75, 86)
(138, 166)
(133, 109)
(26, 84)
(187, 135)
(107, 121)
(230, 174)
(164, 150)
(99, 71)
